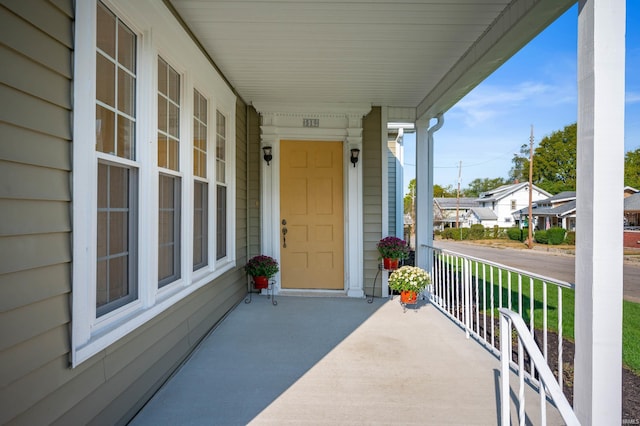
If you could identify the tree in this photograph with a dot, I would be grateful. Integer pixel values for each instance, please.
(632, 169)
(555, 160)
(409, 198)
(478, 185)
(520, 170)
(440, 191)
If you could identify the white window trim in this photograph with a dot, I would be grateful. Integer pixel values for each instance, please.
(157, 31)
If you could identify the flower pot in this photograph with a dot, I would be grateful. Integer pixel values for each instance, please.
(260, 282)
(390, 264)
(408, 297)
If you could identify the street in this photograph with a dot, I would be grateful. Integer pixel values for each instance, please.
(552, 265)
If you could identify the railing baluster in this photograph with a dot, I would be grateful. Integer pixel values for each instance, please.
(560, 337)
(493, 332)
(544, 320)
(484, 300)
(509, 290)
(521, 400)
(532, 299)
(477, 300)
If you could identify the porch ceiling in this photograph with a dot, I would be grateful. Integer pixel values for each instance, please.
(417, 53)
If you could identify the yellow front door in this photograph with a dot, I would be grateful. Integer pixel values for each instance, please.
(311, 215)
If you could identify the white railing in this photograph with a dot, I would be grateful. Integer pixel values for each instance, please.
(547, 382)
(471, 290)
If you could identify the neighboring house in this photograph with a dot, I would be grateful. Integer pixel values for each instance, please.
(560, 210)
(632, 220)
(507, 200)
(446, 209)
(481, 216)
(630, 190)
(556, 211)
(632, 211)
(149, 148)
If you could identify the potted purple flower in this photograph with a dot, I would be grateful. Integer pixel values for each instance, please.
(261, 268)
(392, 250)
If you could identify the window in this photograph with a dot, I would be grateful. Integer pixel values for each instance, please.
(221, 188)
(169, 183)
(117, 180)
(513, 205)
(200, 185)
(133, 201)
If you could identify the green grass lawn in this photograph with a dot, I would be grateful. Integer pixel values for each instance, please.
(630, 316)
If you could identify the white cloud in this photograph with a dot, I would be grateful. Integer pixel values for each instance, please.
(632, 97)
(489, 101)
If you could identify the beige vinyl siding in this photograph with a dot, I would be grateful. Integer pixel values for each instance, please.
(35, 195)
(241, 181)
(255, 163)
(372, 195)
(37, 385)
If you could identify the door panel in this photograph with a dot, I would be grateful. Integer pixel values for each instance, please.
(311, 204)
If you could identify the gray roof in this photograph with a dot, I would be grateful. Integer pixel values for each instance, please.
(565, 195)
(484, 213)
(559, 211)
(632, 202)
(505, 190)
(451, 202)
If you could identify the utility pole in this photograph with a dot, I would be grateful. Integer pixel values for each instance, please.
(458, 199)
(530, 239)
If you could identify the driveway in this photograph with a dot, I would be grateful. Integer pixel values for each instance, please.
(556, 265)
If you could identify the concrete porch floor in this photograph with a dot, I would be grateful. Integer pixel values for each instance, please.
(317, 360)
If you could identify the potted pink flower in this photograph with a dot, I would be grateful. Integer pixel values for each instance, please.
(261, 268)
(392, 250)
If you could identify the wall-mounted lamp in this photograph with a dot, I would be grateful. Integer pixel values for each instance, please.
(267, 154)
(355, 152)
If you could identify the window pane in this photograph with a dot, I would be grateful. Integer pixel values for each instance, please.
(220, 171)
(115, 280)
(126, 93)
(106, 84)
(168, 230)
(162, 76)
(173, 154)
(162, 151)
(126, 47)
(126, 137)
(174, 85)
(118, 234)
(174, 120)
(106, 22)
(200, 225)
(163, 114)
(105, 136)
(221, 222)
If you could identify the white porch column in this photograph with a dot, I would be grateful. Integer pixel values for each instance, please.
(424, 189)
(355, 214)
(598, 304)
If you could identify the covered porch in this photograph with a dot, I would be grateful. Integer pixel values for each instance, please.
(317, 360)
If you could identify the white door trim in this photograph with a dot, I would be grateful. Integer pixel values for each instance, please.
(326, 123)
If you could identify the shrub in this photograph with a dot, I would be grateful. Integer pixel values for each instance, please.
(495, 232)
(556, 235)
(456, 233)
(541, 237)
(514, 234)
(476, 232)
(570, 238)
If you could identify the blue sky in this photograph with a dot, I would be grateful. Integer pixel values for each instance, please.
(536, 87)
